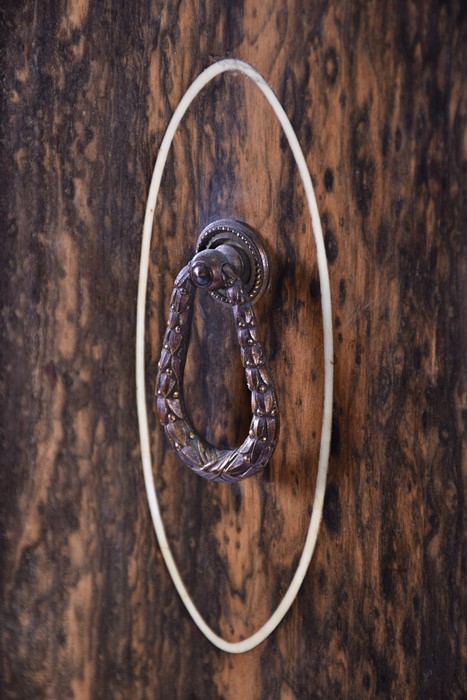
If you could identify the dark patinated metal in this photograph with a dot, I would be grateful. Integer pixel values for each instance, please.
(251, 261)
(216, 270)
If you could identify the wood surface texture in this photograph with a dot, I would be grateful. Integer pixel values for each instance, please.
(376, 93)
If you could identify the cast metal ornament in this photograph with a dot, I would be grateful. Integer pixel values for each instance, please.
(219, 271)
(253, 268)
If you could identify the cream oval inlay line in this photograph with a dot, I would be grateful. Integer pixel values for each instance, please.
(200, 82)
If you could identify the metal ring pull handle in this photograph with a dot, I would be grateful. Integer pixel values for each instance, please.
(212, 270)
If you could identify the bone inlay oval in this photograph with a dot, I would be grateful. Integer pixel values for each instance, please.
(201, 81)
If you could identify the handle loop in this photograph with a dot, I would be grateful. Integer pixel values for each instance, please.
(210, 270)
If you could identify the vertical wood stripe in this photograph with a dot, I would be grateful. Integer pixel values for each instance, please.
(307, 549)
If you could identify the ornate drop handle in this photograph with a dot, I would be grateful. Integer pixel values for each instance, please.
(214, 269)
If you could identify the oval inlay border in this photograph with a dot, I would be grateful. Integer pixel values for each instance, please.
(195, 88)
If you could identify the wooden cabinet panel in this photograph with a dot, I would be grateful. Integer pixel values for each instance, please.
(377, 98)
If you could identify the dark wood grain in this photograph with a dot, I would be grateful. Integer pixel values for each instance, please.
(377, 97)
